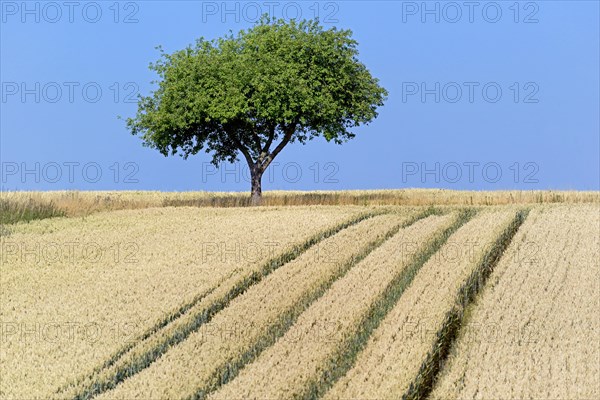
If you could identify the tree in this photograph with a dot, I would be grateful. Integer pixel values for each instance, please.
(274, 84)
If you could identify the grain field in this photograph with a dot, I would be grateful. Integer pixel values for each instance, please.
(535, 332)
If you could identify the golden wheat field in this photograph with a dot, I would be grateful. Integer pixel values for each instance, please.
(351, 295)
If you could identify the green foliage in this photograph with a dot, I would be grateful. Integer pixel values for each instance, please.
(278, 82)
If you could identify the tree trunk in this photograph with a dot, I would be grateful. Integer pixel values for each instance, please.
(256, 191)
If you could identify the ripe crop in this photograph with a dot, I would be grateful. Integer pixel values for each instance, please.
(325, 302)
(289, 367)
(392, 358)
(535, 331)
(259, 315)
(76, 291)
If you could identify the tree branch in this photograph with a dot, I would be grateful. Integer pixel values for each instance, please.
(289, 132)
(270, 140)
(256, 142)
(244, 150)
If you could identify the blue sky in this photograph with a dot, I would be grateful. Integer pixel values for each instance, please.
(482, 95)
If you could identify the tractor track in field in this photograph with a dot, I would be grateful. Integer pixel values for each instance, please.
(103, 379)
(288, 319)
(423, 383)
(345, 359)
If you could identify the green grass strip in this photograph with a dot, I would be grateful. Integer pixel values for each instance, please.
(346, 357)
(13, 212)
(229, 371)
(423, 383)
(97, 386)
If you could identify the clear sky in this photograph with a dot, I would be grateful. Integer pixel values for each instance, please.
(482, 95)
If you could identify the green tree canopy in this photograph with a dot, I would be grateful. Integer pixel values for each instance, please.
(276, 83)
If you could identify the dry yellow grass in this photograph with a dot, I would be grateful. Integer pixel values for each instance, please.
(252, 317)
(76, 290)
(76, 203)
(535, 331)
(296, 360)
(395, 351)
